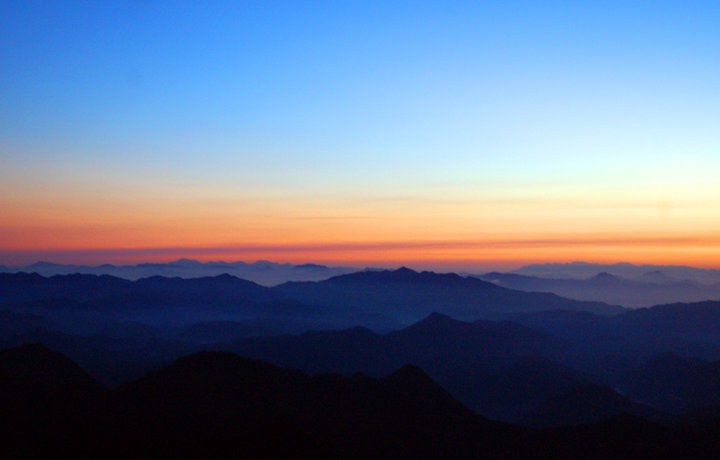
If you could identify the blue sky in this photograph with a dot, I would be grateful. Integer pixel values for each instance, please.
(360, 101)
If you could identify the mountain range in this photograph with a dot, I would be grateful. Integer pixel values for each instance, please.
(219, 405)
(380, 299)
(262, 272)
(530, 359)
(651, 288)
(647, 272)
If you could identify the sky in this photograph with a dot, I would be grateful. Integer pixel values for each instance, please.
(448, 135)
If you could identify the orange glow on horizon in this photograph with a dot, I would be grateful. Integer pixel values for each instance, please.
(700, 251)
(450, 233)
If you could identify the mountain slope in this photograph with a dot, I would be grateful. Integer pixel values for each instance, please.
(674, 383)
(262, 272)
(219, 405)
(410, 295)
(42, 390)
(381, 299)
(650, 289)
(475, 362)
(587, 404)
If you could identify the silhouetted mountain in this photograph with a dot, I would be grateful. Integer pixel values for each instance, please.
(218, 405)
(382, 300)
(675, 384)
(478, 362)
(648, 289)
(27, 287)
(110, 360)
(81, 318)
(458, 344)
(588, 404)
(691, 330)
(41, 391)
(623, 436)
(262, 272)
(584, 270)
(409, 295)
(222, 396)
(437, 342)
(35, 365)
(12, 323)
(225, 331)
(511, 393)
(605, 278)
(506, 370)
(163, 302)
(220, 286)
(698, 321)
(92, 288)
(474, 361)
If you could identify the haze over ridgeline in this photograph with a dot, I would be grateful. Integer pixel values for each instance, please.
(620, 284)
(378, 362)
(262, 271)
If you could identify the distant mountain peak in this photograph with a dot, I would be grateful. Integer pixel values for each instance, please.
(185, 263)
(437, 318)
(405, 274)
(437, 322)
(605, 276)
(312, 266)
(42, 264)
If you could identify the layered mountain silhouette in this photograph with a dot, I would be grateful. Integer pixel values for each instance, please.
(586, 404)
(262, 272)
(691, 330)
(215, 403)
(411, 295)
(219, 405)
(500, 369)
(383, 299)
(514, 392)
(44, 393)
(503, 370)
(584, 270)
(674, 383)
(532, 359)
(12, 322)
(646, 290)
(493, 367)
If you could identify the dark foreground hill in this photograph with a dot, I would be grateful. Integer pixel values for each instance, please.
(502, 370)
(218, 405)
(221, 405)
(588, 404)
(42, 391)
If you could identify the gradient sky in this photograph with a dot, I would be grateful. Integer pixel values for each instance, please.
(432, 134)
